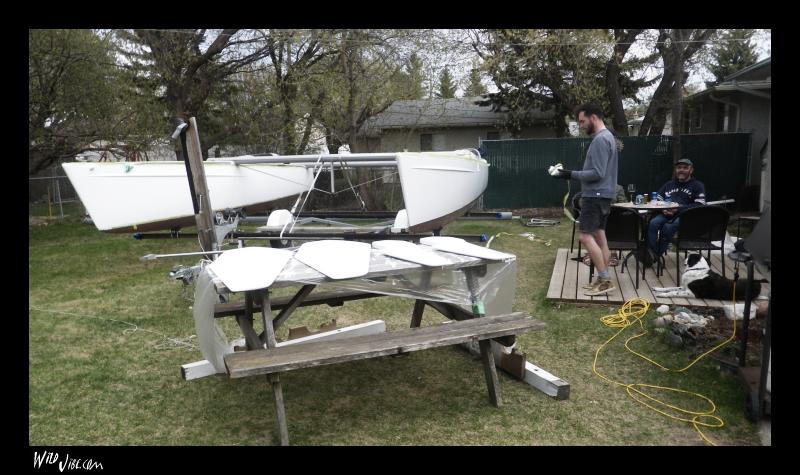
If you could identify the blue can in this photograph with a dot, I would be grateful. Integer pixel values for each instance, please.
(639, 199)
(653, 196)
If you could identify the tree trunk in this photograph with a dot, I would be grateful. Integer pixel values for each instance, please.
(623, 40)
(674, 52)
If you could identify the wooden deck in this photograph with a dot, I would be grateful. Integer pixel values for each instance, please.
(569, 276)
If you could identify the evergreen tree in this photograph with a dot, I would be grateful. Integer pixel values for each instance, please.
(447, 89)
(414, 77)
(475, 87)
(732, 52)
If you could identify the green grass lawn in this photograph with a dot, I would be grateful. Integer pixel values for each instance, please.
(108, 333)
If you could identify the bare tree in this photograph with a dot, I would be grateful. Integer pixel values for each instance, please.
(191, 68)
(676, 47)
(78, 101)
(619, 84)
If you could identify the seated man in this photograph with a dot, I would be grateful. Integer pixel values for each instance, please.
(683, 190)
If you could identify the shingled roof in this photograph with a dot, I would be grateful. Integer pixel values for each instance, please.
(439, 113)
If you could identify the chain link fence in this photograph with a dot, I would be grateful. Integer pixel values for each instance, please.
(51, 195)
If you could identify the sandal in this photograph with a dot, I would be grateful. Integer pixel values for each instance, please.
(587, 259)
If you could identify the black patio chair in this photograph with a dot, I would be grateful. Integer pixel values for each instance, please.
(623, 233)
(697, 229)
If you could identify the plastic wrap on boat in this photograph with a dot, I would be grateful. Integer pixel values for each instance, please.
(494, 284)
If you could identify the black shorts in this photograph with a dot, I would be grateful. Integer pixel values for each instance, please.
(594, 214)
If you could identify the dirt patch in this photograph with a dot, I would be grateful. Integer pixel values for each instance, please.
(700, 340)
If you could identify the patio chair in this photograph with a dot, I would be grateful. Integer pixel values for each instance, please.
(623, 233)
(698, 229)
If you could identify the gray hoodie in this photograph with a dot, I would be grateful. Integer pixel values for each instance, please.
(599, 175)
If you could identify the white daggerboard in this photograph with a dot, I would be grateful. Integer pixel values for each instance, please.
(408, 251)
(336, 259)
(460, 246)
(250, 268)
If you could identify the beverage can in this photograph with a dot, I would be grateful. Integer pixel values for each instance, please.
(639, 199)
(646, 198)
(653, 196)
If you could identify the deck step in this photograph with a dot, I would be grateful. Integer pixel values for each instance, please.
(255, 362)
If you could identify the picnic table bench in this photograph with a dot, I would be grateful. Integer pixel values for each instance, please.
(271, 361)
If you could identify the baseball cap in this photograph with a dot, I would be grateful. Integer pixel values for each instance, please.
(684, 161)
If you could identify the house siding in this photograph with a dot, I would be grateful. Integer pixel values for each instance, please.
(754, 116)
(398, 140)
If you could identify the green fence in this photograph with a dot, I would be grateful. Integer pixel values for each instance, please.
(518, 173)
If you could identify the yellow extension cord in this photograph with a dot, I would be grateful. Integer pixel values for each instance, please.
(637, 308)
(621, 320)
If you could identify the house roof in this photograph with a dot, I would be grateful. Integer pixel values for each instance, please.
(439, 113)
(752, 67)
(732, 83)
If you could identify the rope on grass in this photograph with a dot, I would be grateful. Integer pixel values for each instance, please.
(631, 313)
(529, 236)
(534, 222)
(171, 342)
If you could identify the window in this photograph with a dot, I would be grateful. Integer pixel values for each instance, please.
(425, 142)
(697, 117)
(721, 112)
(686, 120)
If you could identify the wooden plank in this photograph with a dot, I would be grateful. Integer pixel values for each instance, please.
(551, 385)
(626, 282)
(557, 278)
(293, 303)
(274, 379)
(279, 303)
(454, 312)
(201, 369)
(196, 370)
(416, 315)
(506, 359)
(414, 339)
(645, 284)
(569, 291)
(583, 279)
(204, 219)
(280, 411)
(369, 328)
(490, 373)
(671, 279)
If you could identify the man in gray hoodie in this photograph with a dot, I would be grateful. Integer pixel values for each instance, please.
(598, 189)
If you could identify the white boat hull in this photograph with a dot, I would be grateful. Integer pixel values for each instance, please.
(142, 196)
(440, 186)
(128, 196)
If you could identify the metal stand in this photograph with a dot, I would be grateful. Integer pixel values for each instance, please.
(752, 378)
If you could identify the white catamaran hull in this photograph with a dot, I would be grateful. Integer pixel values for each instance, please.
(440, 186)
(127, 196)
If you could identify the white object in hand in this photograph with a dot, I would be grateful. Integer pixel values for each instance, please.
(554, 169)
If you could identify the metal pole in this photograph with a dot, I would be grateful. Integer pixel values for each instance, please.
(58, 196)
(746, 315)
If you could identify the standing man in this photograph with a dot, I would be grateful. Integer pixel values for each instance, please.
(598, 188)
(684, 190)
